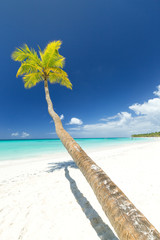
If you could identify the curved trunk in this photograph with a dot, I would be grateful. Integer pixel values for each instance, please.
(128, 222)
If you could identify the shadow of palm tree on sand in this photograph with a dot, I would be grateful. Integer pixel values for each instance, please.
(61, 165)
(103, 230)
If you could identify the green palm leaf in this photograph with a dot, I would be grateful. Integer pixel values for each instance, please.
(40, 53)
(28, 66)
(51, 55)
(56, 70)
(47, 67)
(59, 62)
(31, 79)
(59, 78)
(24, 53)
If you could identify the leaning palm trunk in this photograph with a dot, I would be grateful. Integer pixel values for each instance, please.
(128, 222)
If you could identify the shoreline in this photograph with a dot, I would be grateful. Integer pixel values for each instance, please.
(38, 196)
(62, 152)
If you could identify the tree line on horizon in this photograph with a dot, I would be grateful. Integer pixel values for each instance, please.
(154, 134)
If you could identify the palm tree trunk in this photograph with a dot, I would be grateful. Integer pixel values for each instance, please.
(128, 222)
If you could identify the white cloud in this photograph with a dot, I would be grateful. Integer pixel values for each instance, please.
(147, 108)
(76, 128)
(14, 134)
(62, 117)
(124, 118)
(116, 127)
(75, 121)
(157, 93)
(144, 118)
(25, 134)
(109, 118)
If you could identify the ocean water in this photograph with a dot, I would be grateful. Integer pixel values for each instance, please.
(20, 149)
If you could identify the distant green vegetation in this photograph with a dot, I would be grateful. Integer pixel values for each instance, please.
(155, 134)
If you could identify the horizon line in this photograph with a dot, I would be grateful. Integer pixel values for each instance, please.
(8, 139)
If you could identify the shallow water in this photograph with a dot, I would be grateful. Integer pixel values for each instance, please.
(20, 149)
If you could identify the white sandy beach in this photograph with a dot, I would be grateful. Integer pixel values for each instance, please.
(49, 198)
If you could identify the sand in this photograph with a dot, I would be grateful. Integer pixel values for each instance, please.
(49, 198)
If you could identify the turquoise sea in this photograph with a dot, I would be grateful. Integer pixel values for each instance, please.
(20, 149)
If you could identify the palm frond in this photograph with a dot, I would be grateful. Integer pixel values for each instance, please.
(60, 78)
(40, 53)
(59, 62)
(24, 53)
(56, 70)
(31, 79)
(66, 82)
(51, 55)
(28, 66)
(20, 54)
(35, 69)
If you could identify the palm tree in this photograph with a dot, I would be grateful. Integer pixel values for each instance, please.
(128, 222)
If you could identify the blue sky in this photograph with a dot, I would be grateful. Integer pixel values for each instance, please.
(112, 51)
